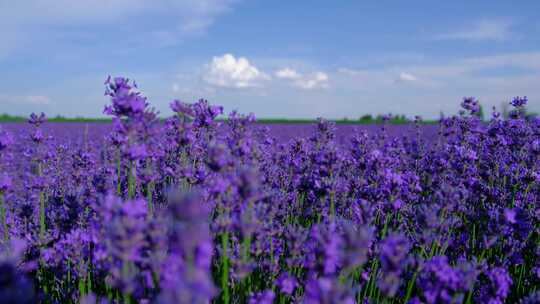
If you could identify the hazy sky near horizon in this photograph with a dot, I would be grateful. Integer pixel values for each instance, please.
(295, 59)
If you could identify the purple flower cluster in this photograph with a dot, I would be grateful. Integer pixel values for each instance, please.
(198, 209)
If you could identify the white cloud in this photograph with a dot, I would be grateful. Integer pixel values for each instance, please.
(192, 14)
(313, 81)
(37, 99)
(493, 79)
(26, 99)
(230, 72)
(177, 19)
(437, 75)
(485, 29)
(287, 73)
(473, 66)
(306, 82)
(404, 77)
(348, 71)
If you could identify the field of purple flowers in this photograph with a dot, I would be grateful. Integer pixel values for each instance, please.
(199, 211)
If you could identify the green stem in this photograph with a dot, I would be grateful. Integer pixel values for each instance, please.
(126, 272)
(4, 217)
(41, 207)
(473, 239)
(332, 206)
(247, 247)
(41, 214)
(150, 196)
(272, 250)
(225, 268)
(410, 287)
(130, 181)
(469, 295)
(118, 176)
(385, 228)
(89, 277)
(521, 271)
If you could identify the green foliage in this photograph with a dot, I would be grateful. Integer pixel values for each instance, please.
(480, 113)
(363, 120)
(11, 118)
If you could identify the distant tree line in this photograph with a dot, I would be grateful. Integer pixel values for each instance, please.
(364, 119)
(394, 119)
(58, 118)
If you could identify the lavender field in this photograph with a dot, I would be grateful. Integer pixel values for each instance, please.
(195, 210)
(78, 132)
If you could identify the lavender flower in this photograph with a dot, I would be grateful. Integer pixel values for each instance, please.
(326, 291)
(6, 183)
(6, 139)
(37, 120)
(519, 102)
(441, 282)
(15, 286)
(470, 104)
(393, 258)
(193, 210)
(265, 297)
(287, 283)
(186, 271)
(498, 286)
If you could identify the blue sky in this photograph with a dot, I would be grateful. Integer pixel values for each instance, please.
(274, 58)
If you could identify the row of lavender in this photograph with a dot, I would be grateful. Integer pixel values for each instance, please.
(181, 213)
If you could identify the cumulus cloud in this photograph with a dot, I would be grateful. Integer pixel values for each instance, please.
(230, 72)
(484, 29)
(26, 99)
(306, 82)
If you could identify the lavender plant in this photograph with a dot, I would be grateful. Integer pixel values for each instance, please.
(193, 210)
